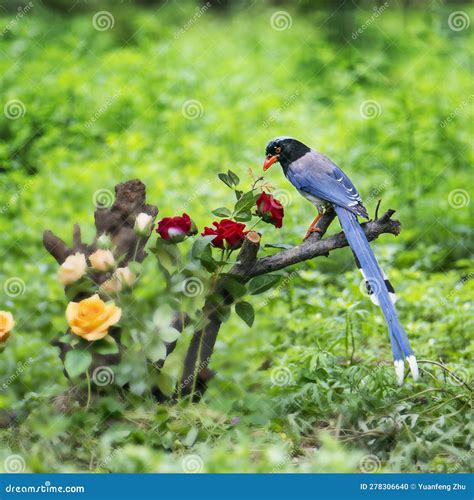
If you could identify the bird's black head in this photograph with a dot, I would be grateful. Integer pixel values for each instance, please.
(285, 150)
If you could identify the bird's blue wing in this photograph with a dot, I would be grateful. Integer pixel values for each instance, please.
(316, 175)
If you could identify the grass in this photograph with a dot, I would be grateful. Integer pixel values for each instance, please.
(310, 387)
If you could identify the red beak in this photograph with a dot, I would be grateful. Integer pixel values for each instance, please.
(269, 161)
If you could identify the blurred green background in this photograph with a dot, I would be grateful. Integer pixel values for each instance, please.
(95, 93)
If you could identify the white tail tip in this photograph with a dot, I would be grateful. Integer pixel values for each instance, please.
(399, 370)
(413, 367)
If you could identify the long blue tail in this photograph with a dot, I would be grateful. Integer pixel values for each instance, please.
(379, 286)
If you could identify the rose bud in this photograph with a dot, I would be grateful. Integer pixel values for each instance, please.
(91, 318)
(229, 234)
(102, 260)
(104, 241)
(143, 224)
(175, 229)
(73, 268)
(6, 325)
(270, 209)
(121, 279)
(125, 276)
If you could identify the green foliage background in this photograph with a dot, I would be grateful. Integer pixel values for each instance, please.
(335, 402)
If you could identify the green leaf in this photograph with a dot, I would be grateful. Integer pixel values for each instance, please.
(234, 286)
(222, 212)
(246, 202)
(77, 361)
(169, 334)
(223, 313)
(191, 437)
(106, 346)
(261, 284)
(243, 216)
(225, 179)
(246, 312)
(156, 350)
(200, 245)
(135, 267)
(234, 178)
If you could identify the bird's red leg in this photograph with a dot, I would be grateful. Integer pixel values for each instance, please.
(312, 229)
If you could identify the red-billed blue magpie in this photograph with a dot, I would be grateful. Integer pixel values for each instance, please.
(324, 184)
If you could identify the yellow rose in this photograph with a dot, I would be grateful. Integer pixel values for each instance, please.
(6, 324)
(73, 268)
(91, 318)
(102, 260)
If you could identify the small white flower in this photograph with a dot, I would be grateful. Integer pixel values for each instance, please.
(73, 268)
(143, 224)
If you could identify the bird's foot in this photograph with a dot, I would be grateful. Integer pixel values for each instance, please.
(311, 231)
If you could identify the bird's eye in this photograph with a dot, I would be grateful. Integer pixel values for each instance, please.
(278, 150)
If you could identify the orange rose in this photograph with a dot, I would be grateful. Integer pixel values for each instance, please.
(6, 324)
(91, 318)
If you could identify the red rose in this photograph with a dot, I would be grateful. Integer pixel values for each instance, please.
(175, 228)
(270, 209)
(229, 234)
